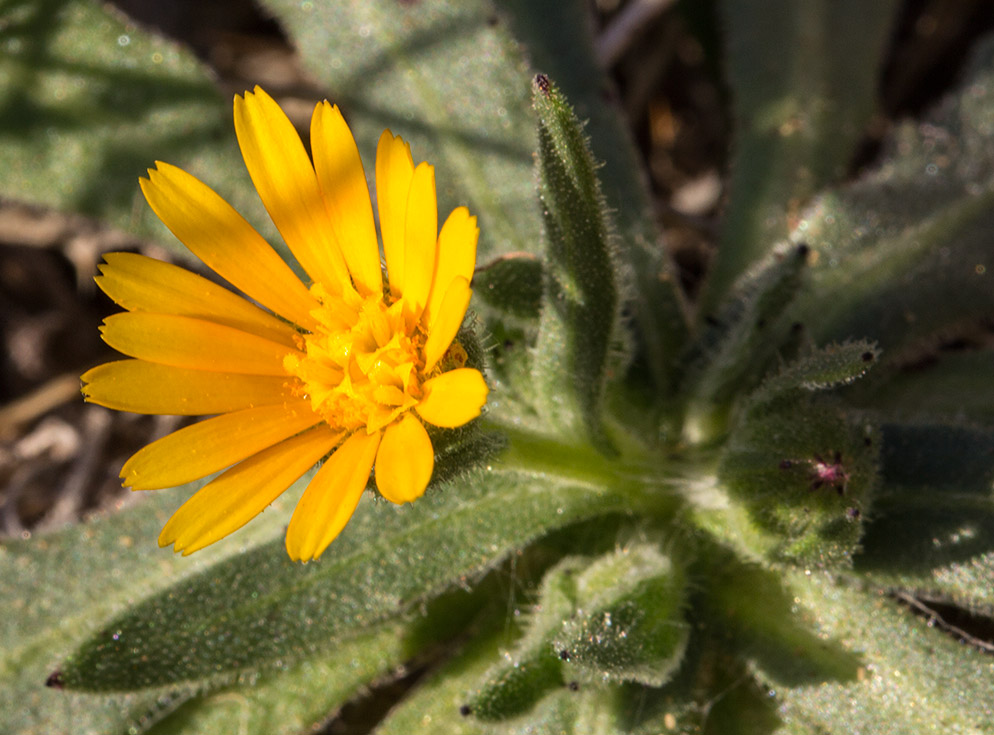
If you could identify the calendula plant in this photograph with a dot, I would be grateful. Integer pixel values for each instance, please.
(615, 509)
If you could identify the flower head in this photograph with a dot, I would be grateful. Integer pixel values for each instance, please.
(347, 370)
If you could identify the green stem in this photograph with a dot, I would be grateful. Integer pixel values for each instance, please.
(537, 454)
(654, 483)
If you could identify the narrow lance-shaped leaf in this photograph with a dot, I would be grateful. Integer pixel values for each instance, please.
(803, 78)
(580, 300)
(659, 311)
(57, 588)
(628, 625)
(295, 695)
(387, 560)
(734, 352)
(749, 606)
(290, 699)
(955, 383)
(931, 530)
(533, 669)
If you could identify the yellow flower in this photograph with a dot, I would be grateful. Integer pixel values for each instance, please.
(351, 367)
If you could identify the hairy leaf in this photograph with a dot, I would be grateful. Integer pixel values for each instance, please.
(88, 101)
(903, 255)
(905, 661)
(803, 79)
(580, 296)
(58, 588)
(387, 560)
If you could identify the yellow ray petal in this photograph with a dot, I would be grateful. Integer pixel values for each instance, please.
(420, 241)
(185, 342)
(447, 321)
(286, 182)
(230, 501)
(456, 257)
(453, 398)
(394, 170)
(343, 184)
(331, 498)
(209, 446)
(145, 387)
(219, 236)
(405, 461)
(144, 284)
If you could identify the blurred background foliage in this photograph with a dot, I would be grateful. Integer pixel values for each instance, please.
(698, 158)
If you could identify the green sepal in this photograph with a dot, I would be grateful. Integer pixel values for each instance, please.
(628, 625)
(461, 450)
(803, 467)
(738, 343)
(580, 295)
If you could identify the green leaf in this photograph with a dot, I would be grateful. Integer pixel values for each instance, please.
(298, 696)
(294, 698)
(734, 351)
(947, 384)
(906, 661)
(512, 283)
(931, 530)
(387, 560)
(918, 530)
(748, 607)
(580, 299)
(88, 101)
(938, 455)
(628, 625)
(803, 79)
(903, 256)
(567, 56)
(57, 589)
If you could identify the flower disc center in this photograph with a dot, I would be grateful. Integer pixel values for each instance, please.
(363, 365)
